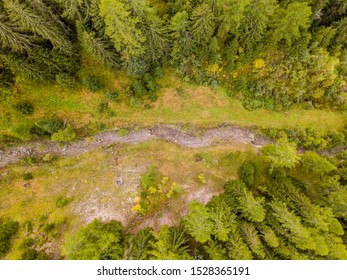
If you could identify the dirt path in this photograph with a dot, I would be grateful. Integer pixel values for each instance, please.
(169, 133)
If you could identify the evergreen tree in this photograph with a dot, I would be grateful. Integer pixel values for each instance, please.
(11, 37)
(198, 222)
(97, 241)
(35, 16)
(121, 28)
(170, 244)
(203, 24)
(282, 154)
(290, 23)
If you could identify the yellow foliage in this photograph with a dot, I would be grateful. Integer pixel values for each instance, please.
(259, 63)
(214, 68)
(137, 199)
(152, 190)
(137, 208)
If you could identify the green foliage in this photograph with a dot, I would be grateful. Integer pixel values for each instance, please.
(32, 254)
(122, 132)
(62, 201)
(28, 176)
(198, 222)
(170, 244)
(24, 107)
(291, 22)
(203, 23)
(38, 18)
(246, 173)
(64, 135)
(140, 245)
(279, 155)
(47, 126)
(66, 81)
(148, 179)
(121, 28)
(96, 241)
(312, 162)
(7, 231)
(112, 95)
(92, 83)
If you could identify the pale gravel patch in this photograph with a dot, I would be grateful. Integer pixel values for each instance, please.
(170, 133)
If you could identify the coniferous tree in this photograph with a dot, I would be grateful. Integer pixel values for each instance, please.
(289, 24)
(36, 17)
(203, 24)
(121, 28)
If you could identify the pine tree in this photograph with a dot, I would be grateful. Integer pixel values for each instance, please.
(250, 207)
(203, 24)
(224, 221)
(251, 237)
(182, 39)
(198, 222)
(170, 244)
(121, 28)
(297, 233)
(237, 248)
(282, 154)
(11, 37)
(232, 13)
(97, 47)
(139, 245)
(288, 24)
(38, 18)
(253, 26)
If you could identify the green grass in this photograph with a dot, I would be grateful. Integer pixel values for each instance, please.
(178, 103)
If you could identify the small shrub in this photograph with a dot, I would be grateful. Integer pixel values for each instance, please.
(122, 132)
(27, 243)
(135, 102)
(101, 126)
(202, 178)
(7, 231)
(28, 176)
(66, 81)
(139, 88)
(103, 107)
(62, 201)
(64, 135)
(153, 97)
(246, 173)
(32, 254)
(7, 141)
(48, 228)
(147, 179)
(92, 83)
(174, 189)
(24, 107)
(112, 95)
(47, 157)
(48, 126)
(158, 72)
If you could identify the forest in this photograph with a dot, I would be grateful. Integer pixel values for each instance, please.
(83, 81)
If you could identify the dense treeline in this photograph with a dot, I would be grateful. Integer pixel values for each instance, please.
(270, 53)
(283, 206)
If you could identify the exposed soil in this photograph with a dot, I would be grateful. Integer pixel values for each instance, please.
(229, 133)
